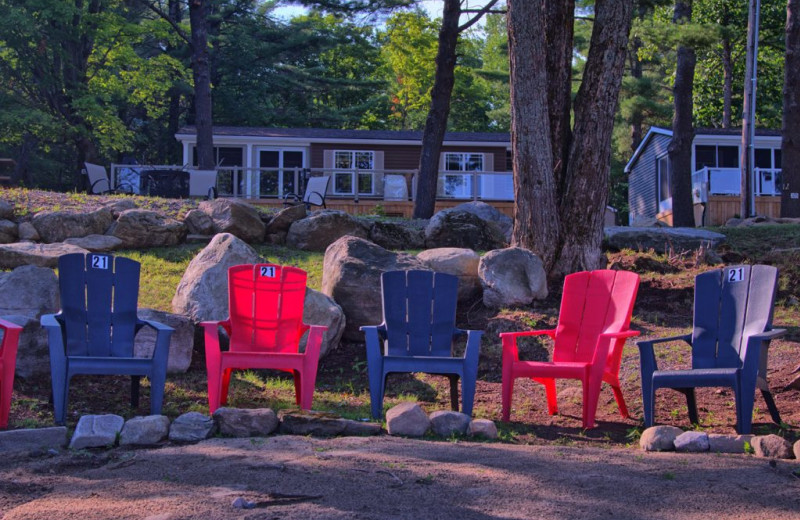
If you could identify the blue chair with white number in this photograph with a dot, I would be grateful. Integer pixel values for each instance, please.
(730, 340)
(95, 330)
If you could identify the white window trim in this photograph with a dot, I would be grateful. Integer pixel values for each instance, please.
(664, 204)
(353, 172)
(465, 190)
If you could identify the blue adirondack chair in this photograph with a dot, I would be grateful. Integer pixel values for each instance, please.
(94, 332)
(419, 313)
(730, 341)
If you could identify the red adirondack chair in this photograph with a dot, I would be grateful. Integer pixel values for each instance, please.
(592, 328)
(8, 362)
(265, 327)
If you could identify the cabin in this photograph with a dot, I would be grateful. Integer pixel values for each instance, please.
(716, 179)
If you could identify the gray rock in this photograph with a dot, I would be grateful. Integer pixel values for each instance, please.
(772, 446)
(29, 253)
(141, 228)
(309, 422)
(96, 243)
(445, 423)
(235, 217)
(489, 213)
(691, 441)
(117, 206)
(659, 438)
(361, 429)
(199, 223)
(460, 262)
(284, 219)
(33, 439)
(719, 443)
(236, 422)
(202, 293)
(796, 450)
(191, 427)
(511, 277)
(320, 309)
(351, 275)
(482, 428)
(144, 431)
(407, 419)
(8, 232)
(454, 228)
(6, 210)
(33, 351)
(391, 235)
(57, 226)
(96, 431)
(242, 503)
(181, 344)
(661, 239)
(322, 228)
(28, 232)
(34, 290)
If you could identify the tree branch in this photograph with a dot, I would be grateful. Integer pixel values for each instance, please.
(480, 12)
(178, 29)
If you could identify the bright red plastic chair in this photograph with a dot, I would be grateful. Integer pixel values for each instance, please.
(8, 362)
(265, 327)
(596, 310)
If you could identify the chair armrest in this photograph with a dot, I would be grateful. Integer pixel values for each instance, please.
(374, 334)
(755, 344)
(214, 325)
(55, 338)
(543, 332)
(509, 339)
(8, 348)
(314, 342)
(647, 354)
(163, 336)
(604, 344)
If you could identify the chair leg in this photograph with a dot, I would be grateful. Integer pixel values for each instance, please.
(453, 391)
(298, 388)
(225, 384)
(623, 409)
(6, 388)
(135, 383)
(377, 385)
(158, 380)
(550, 393)
(691, 404)
(591, 395)
(60, 395)
(507, 393)
(745, 394)
(773, 409)
(468, 383)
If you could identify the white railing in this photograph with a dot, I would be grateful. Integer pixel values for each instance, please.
(728, 181)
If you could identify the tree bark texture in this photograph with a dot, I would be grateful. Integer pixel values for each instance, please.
(202, 84)
(536, 223)
(559, 31)
(582, 206)
(748, 111)
(436, 122)
(680, 148)
(790, 147)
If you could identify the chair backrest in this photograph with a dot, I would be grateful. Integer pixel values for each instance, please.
(315, 190)
(98, 180)
(729, 305)
(266, 307)
(99, 296)
(419, 310)
(593, 302)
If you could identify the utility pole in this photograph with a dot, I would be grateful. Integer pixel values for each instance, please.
(747, 153)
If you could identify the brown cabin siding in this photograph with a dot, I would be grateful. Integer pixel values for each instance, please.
(402, 157)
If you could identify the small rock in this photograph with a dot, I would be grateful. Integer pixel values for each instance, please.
(235, 422)
(693, 442)
(482, 428)
(242, 503)
(796, 450)
(191, 427)
(407, 419)
(659, 438)
(446, 423)
(144, 431)
(96, 243)
(772, 446)
(6, 210)
(96, 431)
(718, 443)
(309, 422)
(28, 232)
(30, 439)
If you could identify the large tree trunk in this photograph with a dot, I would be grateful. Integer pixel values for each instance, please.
(202, 84)
(582, 206)
(790, 147)
(559, 31)
(169, 153)
(680, 148)
(536, 224)
(436, 122)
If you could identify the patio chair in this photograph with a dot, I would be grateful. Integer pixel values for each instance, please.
(95, 330)
(596, 308)
(265, 327)
(729, 341)
(316, 188)
(417, 333)
(99, 183)
(8, 362)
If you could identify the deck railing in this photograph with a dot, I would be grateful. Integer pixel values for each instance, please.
(728, 181)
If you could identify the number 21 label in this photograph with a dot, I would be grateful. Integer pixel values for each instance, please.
(99, 262)
(268, 271)
(736, 274)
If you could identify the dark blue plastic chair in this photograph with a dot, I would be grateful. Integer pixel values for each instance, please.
(95, 330)
(419, 313)
(730, 341)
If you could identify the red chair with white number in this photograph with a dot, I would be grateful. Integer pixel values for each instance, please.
(265, 327)
(8, 363)
(596, 308)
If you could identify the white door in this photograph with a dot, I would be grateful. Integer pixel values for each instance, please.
(279, 171)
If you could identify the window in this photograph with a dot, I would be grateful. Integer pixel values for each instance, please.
(460, 185)
(224, 156)
(716, 157)
(360, 174)
(664, 171)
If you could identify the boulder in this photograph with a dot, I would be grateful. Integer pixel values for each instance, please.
(6, 210)
(235, 422)
(191, 427)
(96, 431)
(320, 309)
(117, 206)
(144, 431)
(198, 223)
(33, 352)
(27, 231)
(460, 262)
(511, 277)
(489, 213)
(391, 235)
(57, 226)
(445, 423)
(283, 220)
(351, 275)
(202, 293)
(323, 424)
(659, 438)
(720, 443)
(796, 450)
(33, 439)
(235, 217)
(140, 228)
(96, 243)
(452, 228)
(8, 232)
(407, 419)
(29, 253)
(181, 343)
(661, 239)
(692, 442)
(322, 228)
(482, 428)
(772, 446)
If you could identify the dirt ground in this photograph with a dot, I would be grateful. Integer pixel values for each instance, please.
(385, 477)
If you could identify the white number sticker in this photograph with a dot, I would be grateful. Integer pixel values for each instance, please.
(99, 262)
(736, 274)
(268, 271)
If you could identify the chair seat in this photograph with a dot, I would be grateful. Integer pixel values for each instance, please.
(556, 369)
(700, 377)
(258, 359)
(426, 364)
